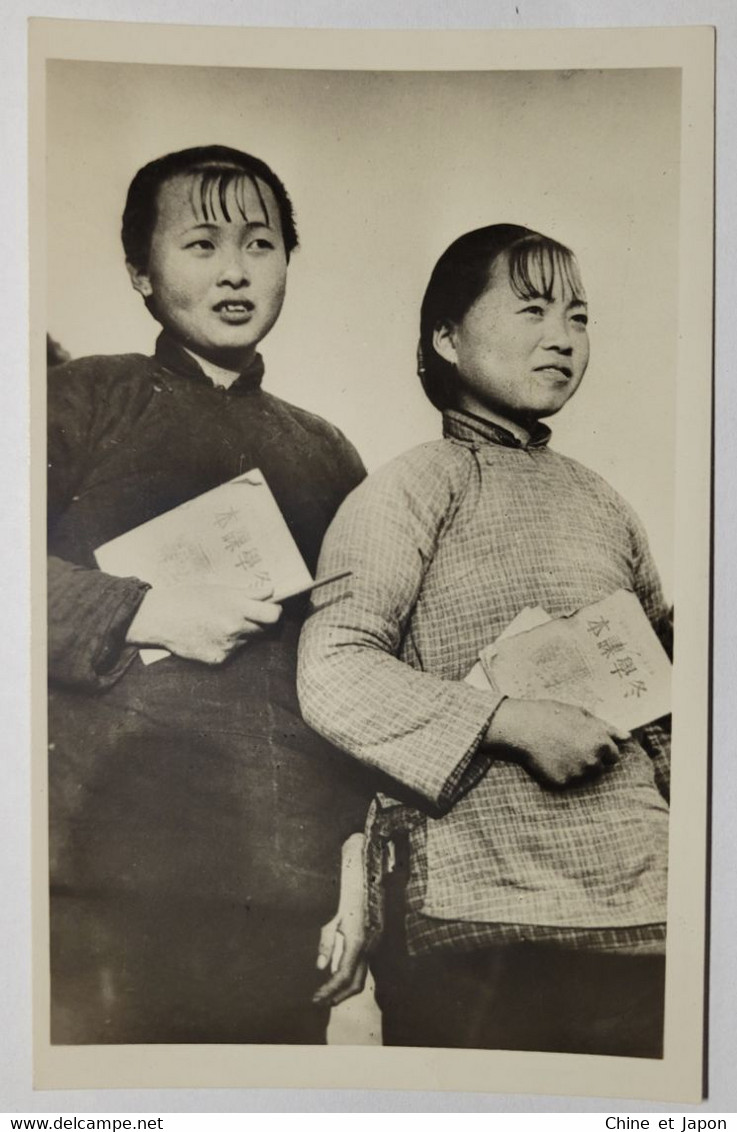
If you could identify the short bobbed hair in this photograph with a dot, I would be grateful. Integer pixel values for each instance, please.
(462, 274)
(219, 166)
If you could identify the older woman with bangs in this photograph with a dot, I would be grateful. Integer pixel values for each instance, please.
(526, 897)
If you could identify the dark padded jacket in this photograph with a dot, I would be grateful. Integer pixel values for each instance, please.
(179, 780)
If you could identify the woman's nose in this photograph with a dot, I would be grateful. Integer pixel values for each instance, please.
(557, 334)
(233, 270)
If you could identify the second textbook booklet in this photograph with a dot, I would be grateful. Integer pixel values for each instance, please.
(604, 657)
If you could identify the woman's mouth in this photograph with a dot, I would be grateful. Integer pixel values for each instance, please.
(555, 371)
(234, 310)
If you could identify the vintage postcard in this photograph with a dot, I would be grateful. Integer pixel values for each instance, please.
(451, 294)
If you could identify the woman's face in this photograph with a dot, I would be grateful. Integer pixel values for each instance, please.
(520, 359)
(216, 281)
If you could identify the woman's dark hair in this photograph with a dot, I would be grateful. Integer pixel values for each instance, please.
(463, 273)
(219, 166)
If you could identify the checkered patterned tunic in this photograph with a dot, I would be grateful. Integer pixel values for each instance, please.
(446, 545)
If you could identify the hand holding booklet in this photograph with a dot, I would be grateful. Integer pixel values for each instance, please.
(234, 535)
(604, 657)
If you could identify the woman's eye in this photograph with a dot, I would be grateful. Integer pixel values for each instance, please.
(581, 319)
(201, 245)
(534, 308)
(262, 244)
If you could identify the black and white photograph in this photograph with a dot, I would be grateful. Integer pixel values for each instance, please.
(378, 558)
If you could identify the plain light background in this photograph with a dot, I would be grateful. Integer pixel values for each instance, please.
(15, 1071)
(385, 169)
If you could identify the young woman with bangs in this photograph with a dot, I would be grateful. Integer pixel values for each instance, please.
(525, 903)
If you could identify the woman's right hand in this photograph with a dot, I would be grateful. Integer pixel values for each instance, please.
(201, 622)
(556, 743)
(342, 949)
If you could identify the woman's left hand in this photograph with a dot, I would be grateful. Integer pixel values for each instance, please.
(342, 948)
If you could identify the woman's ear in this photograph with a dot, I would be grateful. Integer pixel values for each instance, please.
(443, 340)
(140, 280)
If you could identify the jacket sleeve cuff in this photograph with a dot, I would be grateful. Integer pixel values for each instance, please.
(469, 771)
(89, 615)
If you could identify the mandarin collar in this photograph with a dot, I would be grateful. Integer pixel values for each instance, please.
(471, 429)
(176, 360)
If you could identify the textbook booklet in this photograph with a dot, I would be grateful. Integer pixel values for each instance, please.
(234, 535)
(604, 657)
